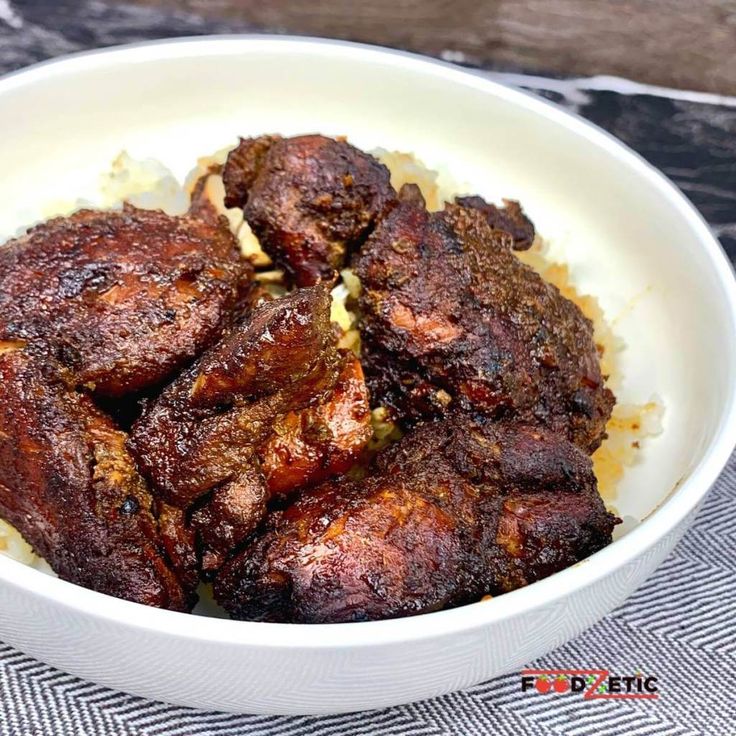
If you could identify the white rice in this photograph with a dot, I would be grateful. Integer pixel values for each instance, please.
(13, 545)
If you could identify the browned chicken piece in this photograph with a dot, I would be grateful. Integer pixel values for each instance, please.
(303, 447)
(319, 442)
(207, 424)
(179, 542)
(453, 321)
(452, 512)
(271, 407)
(125, 298)
(284, 346)
(310, 200)
(222, 521)
(68, 484)
(509, 219)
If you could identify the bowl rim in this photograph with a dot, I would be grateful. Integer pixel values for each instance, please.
(664, 520)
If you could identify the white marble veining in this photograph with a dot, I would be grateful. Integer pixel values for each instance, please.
(575, 90)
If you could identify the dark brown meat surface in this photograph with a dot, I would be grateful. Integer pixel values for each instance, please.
(125, 298)
(273, 406)
(509, 219)
(207, 424)
(454, 511)
(453, 321)
(68, 484)
(310, 445)
(310, 200)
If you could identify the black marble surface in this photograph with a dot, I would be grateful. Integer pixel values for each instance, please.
(692, 138)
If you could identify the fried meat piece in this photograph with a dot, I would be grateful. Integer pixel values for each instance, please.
(126, 298)
(321, 441)
(310, 200)
(452, 512)
(453, 321)
(198, 434)
(68, 484)
(509, 219)
(271, 407)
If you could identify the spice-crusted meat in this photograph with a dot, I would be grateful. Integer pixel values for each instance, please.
(125, 298)
(509, 219)
(261, 413)
(310, 200)
(309, 445)
(454, 511)
(68, 484)
(453, 321)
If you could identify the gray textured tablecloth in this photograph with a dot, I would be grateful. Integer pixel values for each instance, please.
(681, 626)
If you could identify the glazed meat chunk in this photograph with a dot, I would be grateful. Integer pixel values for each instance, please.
(310, 200)
(452, 512)
(204, 426)
(453, 321)
(68, 484)
(302, 447)
(509, 219)
(125, 298)
(312, 444)
(270, 408)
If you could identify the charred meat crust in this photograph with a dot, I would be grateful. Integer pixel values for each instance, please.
(262, 413)
(510, 219)
(454, 511)
(125, 298)
(206, 424)
(453, 321)
(68, 484)
(310, 200)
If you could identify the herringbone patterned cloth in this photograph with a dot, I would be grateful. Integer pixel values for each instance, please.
(681, 627)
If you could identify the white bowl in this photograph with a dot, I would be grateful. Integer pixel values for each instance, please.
(630, 237)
